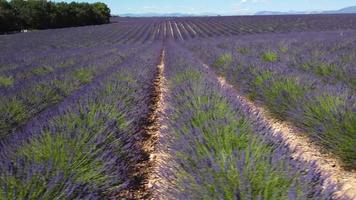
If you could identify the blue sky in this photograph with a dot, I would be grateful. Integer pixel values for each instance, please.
(221, 6)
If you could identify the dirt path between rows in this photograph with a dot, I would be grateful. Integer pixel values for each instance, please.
(143, 174)
(158, 158)
(160, 180)
(302, 148)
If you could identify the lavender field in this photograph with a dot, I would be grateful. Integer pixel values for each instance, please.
(255, 107)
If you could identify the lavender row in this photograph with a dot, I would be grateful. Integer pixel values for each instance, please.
(60, 38)
(33, 46)
(138, 30)
(126, 31)
(27, 65)
(234, 25)
(319, 98)
(41, 46)
(85, 147)
(21, 103)
(10, 63)
(48, 69)
(219, 149)
(327, 56)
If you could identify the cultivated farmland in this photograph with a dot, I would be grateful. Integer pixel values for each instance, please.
(181, 108)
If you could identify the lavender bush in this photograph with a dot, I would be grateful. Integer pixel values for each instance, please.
(75, 104)
(82, 151)
(218, 151)
(319, 98)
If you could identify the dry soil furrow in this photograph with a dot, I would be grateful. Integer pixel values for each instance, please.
(160, 157)
(156, 128)
(143, 174)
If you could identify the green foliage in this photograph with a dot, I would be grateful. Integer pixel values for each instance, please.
(223, 60)
(226, 140)
(220, 142)
(325, 69)
(282, 95)
(42, 70)
(258, 84)
(243, 50)
(47, 93)
(6, 81)
(283, 49)
(305, 66)
(187, 75)
(102, 12)
(13, 112)
(330, 116)
(347, 58)
(73, 149)
(75, 156)
(83, 75)
(9, 20)
(59, 149)
(16, 15)
(270, 57)
(353, 82)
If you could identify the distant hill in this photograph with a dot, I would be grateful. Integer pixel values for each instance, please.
(156, 15)
(166, 14)
(351, 9)
(282, 13)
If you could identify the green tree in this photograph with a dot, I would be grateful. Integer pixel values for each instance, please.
(8, 20)
(42, 14)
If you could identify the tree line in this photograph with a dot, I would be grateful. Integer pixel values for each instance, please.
(16, 15)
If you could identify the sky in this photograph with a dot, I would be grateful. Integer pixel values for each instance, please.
(224, 7)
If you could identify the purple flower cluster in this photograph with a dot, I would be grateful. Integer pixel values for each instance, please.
(84, 147)
(306, 78)
(220, 150)
(75, 103)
